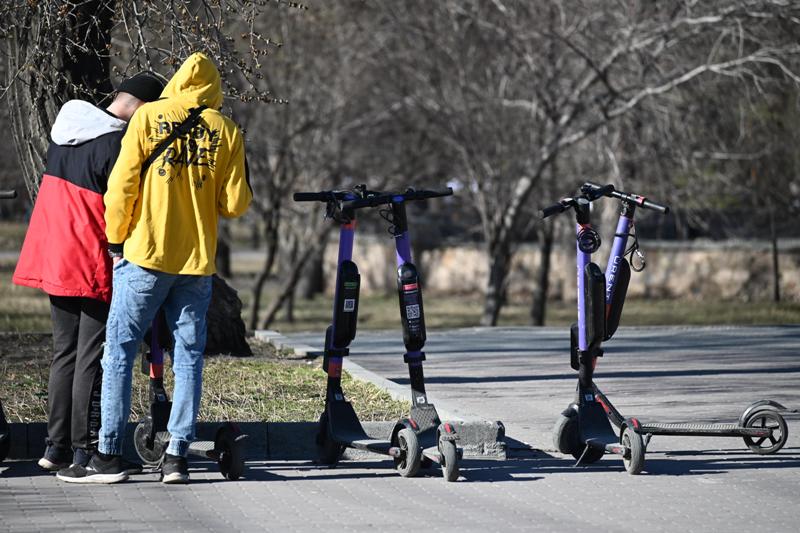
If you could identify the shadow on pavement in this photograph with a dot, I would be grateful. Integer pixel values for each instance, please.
(12, 469)
(607, 375)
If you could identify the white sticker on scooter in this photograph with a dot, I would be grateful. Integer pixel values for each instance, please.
(420, 399)
(349, 305)
(412, 311)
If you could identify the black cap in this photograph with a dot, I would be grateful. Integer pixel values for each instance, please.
(145, 86)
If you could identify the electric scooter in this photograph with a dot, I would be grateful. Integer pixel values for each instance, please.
(422, 438)
(584, 428)
(5, 429)
(151, 437)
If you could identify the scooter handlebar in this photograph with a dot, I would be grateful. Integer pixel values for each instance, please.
(553, 210)
(391, 198)
(598, 190)
(8, 195)
(322, 196)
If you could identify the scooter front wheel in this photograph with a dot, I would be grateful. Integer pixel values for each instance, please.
(449, 460)
(328, 450)
(410, 459)
(769, 419)
(633, 456)
(565, 435)
(149, 456)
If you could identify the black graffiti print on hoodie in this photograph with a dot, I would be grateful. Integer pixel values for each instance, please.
(198, 148)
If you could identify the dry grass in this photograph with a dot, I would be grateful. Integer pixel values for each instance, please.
(264, 388)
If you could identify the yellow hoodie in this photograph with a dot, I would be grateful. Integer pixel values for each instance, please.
(168, 219)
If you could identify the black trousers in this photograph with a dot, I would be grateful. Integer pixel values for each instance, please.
(73, 391)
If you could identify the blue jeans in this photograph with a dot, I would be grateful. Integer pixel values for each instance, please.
(138, 294)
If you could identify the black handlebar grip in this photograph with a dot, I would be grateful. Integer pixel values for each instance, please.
(8, 195)
(310, 197)
(663, 209)
(448, 191)
(553, 210)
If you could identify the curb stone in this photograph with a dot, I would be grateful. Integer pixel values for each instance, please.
(479, 438)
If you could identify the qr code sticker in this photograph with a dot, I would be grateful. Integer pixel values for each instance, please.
(349, 305)
(412, 311)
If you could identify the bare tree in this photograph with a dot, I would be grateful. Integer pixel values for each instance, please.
(508, 86)
(57, 51)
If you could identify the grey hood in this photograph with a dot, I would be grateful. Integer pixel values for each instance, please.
(79, 121)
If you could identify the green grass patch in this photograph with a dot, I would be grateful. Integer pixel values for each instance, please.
(251, 389)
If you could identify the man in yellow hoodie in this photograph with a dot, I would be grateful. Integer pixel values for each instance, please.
(161, 224)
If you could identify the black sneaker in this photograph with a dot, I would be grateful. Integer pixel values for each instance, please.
(55, 458)
(174, 469)
(131, 468)
(108, 469)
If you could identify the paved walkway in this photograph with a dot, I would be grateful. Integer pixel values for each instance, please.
(670, 374)
(522, 377)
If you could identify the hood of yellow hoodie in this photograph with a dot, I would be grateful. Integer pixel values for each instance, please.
(197, 81)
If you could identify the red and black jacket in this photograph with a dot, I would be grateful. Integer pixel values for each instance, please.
(64, 252)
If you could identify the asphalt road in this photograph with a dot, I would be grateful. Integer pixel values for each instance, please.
(520, 376)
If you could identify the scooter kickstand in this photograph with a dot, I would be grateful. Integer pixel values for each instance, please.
(578, 462)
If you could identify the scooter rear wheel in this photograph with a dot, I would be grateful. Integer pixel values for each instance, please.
(328, 450)
(633, 458)
(149, 456)
(449, 460)
(410, 459)
(231, 459)
(767, 418)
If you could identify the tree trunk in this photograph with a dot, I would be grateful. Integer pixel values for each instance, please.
(289, 286)
(226, 332)
(776, 273)
(539, 305)
(289, 304)
(499, 262)
(313, 277)
(271, 236)
(41, 82)
(255, 235)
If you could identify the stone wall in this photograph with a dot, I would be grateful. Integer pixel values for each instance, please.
(730, 270)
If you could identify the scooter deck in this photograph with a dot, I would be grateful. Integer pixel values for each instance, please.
(345, 428)
(710, 430)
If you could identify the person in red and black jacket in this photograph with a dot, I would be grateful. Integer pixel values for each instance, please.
(65, 255)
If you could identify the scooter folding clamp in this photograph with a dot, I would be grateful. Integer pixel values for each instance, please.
(414, 358)
(337, 352)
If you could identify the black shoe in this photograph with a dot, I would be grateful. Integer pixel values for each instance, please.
(130, 467)
(174, 470)
(107, 469)
(55, 458)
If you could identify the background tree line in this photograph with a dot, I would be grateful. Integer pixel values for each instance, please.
(513, 103)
